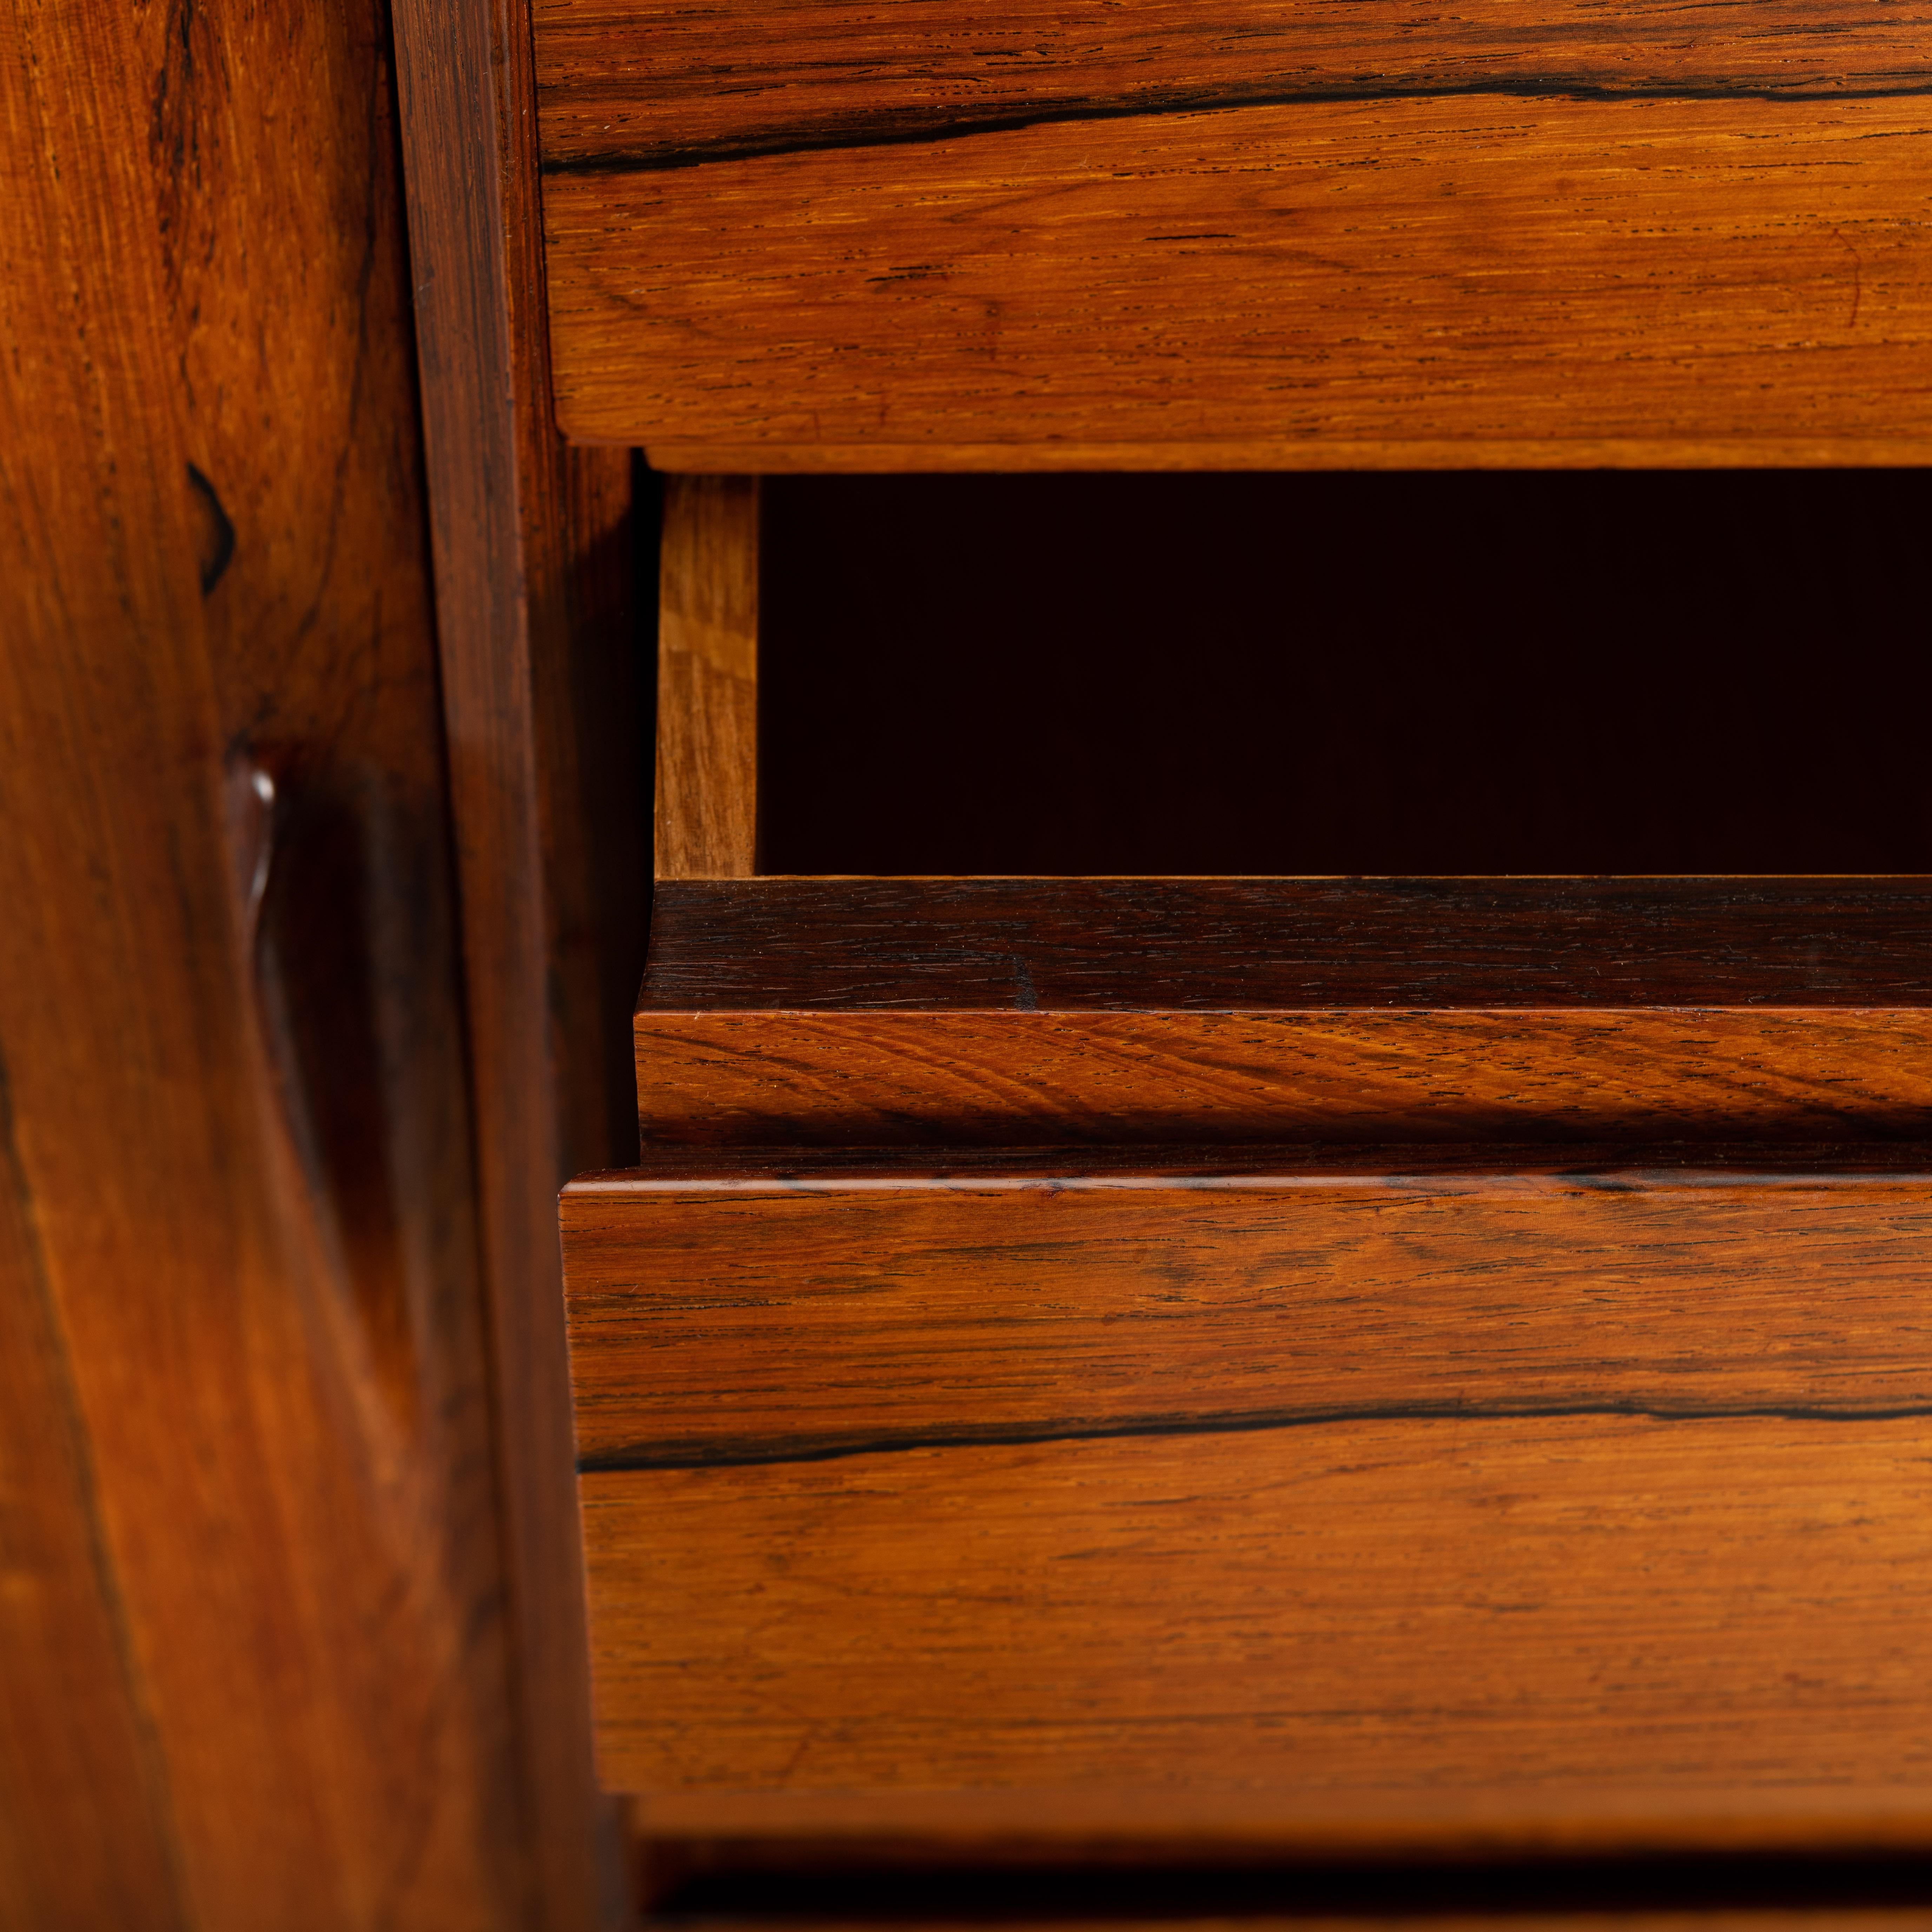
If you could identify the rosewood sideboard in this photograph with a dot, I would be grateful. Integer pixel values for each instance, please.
(1244, 1137)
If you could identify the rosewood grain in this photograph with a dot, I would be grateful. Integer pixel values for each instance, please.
(707, 738)
(522, 530)
(1471, 278)
(1632, 1631)
(881, 1012)
(749, 1316)
(256, 1672)
(622, 85)
(1065, 945)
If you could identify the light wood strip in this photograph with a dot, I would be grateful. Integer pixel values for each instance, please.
(707, 758)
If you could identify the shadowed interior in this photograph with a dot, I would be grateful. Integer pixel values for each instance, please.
(1445, 672)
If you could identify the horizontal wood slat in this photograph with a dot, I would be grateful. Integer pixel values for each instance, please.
(1680, 280)
(1286, 945)
(643, 85)
(749, 1317)
(880, 1012)
(1613, 1627)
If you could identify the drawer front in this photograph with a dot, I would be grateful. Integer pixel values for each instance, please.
(1595, 1503)
(865, 1012)
(1586, 1621)
(814, 236)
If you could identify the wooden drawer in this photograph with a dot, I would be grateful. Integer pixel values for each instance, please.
(1270, 233)
(1278, 1364)
(1288, 1498)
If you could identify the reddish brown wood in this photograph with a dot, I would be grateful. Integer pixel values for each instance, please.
(501, 498)
(869, 1012)
(1237, 1501)
(707, 737)
(748, 1316)
(86, 1837)
(1614, 1629)
(1446, 280)
(636, 83)
(268, 1500)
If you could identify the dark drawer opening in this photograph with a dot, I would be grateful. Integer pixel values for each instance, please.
(1451, 673)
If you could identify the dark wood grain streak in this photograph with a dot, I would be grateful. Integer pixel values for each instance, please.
(499, 542)
(875, 1012)
(747, 1319)
(647, 85)
(1635, 1631)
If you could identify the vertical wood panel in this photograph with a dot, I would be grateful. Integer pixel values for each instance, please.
(269, 1317)
(499, 541)
(707, 764)
(85, 1826)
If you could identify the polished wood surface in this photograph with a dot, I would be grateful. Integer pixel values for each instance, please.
(636, 82)
(1634, 1621)
(881, 1012)
(1225, 1496)
(747, 1316)
(1445, 279)
(523, 532)
(1284, 945)
(707, 720)
(85, 1833)
(255, 1669)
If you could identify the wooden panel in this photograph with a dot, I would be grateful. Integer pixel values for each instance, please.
(878, 1012)
(1483, 275)
(517, 529)
(267, 1411)
(707, 754)
(1596, 1623)
(636, 82)
(315, 600)
(86, 1836)
(750, 1316)
(1269, 945)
